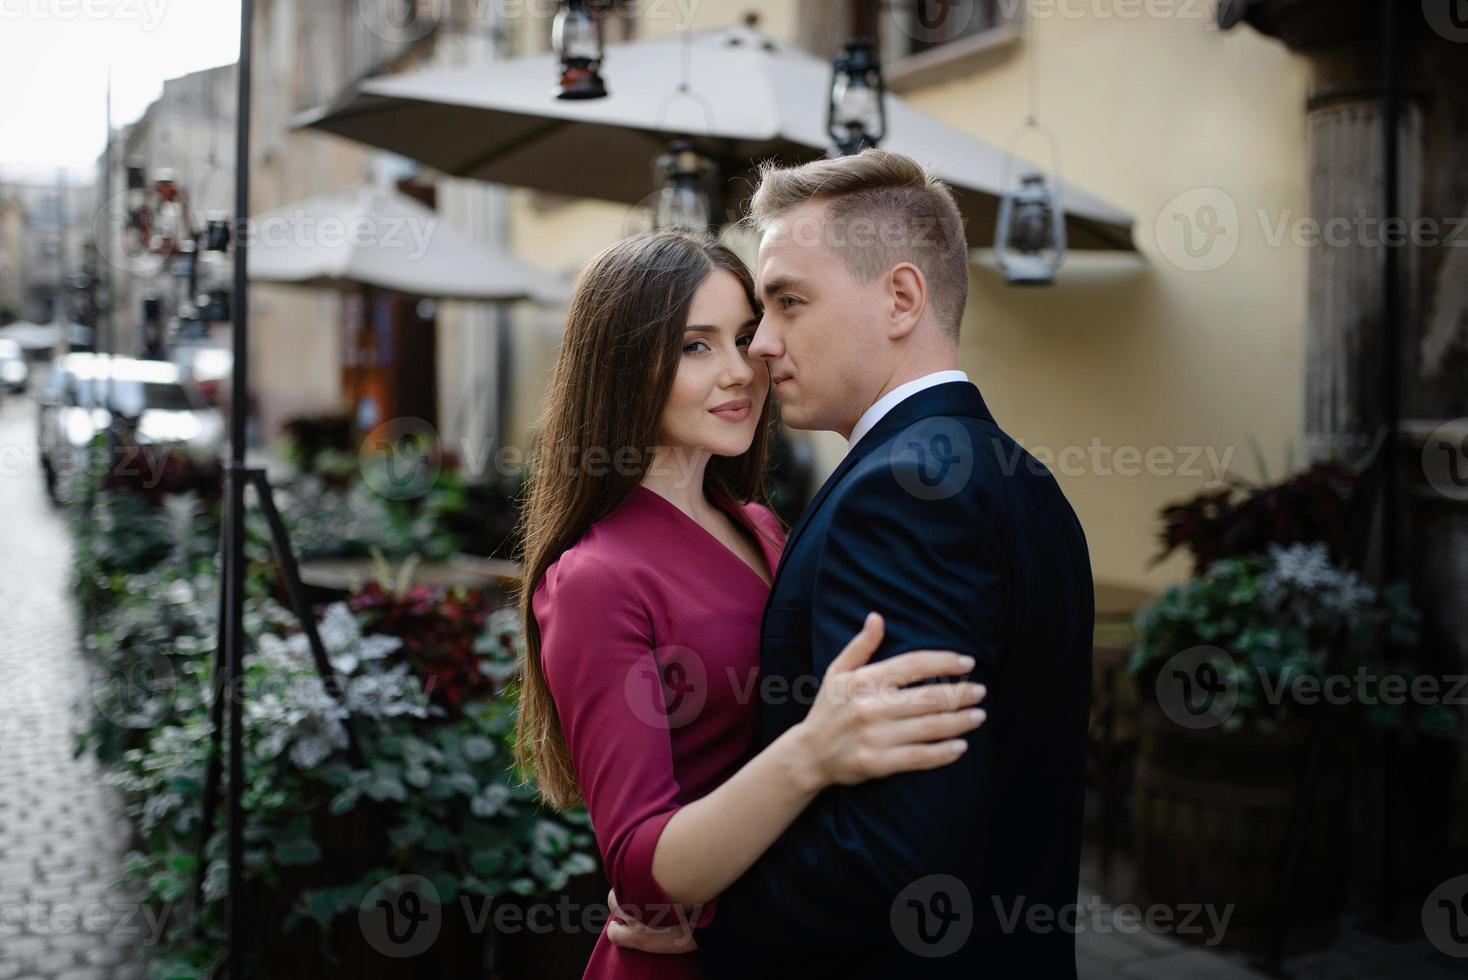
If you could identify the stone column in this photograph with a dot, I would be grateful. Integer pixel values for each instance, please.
(1345, 349)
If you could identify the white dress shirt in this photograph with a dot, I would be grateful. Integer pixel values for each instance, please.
(889, 401)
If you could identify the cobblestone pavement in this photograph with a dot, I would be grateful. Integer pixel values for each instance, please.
(62, 832)
(1110, 950)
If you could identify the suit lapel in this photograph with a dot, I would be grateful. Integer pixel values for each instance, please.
(949, 398)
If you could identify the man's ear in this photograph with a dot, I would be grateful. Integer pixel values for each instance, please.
(907, 291)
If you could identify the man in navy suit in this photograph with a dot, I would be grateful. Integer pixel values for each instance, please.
(963, 541)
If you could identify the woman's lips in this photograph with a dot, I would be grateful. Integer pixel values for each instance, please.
(732, 411)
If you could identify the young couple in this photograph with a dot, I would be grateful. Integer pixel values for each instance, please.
(776, 736)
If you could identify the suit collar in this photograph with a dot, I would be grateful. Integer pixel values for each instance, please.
(950, 398)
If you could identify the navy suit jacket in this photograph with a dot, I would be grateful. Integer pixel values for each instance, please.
(962, 541)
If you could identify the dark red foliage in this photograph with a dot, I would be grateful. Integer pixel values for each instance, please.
(438, 628)
(155, 472)
(1243, 519)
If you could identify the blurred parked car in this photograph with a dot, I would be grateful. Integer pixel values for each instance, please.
(151, 401)
(14, 371)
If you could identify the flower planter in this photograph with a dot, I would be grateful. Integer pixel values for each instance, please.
(1211, 817)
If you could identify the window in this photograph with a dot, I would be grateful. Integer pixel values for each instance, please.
(924, 25)
(924, 41)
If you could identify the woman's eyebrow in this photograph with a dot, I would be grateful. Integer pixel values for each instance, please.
(714, 328)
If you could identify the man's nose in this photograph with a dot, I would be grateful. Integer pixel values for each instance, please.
(765, 344)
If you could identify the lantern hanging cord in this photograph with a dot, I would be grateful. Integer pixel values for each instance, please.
(685, 88)
(1032, 52)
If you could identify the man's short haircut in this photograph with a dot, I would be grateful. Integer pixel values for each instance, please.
(882, 208)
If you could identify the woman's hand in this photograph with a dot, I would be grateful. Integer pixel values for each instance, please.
(866, 723)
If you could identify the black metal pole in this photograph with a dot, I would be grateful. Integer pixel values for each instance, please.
(1390, 415)
(235, 487)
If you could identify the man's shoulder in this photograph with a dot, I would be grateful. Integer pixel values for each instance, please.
(939, 457)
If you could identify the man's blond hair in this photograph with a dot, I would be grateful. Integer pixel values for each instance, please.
(882, 208)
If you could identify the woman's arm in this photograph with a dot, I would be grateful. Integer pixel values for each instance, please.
(863, 725)
(597, 654)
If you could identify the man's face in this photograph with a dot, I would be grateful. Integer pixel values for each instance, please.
(822, 332)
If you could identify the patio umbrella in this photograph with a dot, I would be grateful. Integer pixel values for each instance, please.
(382, 237)
(747, 98)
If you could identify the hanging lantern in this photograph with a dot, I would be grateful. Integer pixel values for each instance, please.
(856, 111)
(683, 201)
(576, 36)
(216, 232)
(1029, 242)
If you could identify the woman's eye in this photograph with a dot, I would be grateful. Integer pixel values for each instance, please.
(746, 340)
(693, 347)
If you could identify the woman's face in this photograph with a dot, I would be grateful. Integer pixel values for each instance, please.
(719, 391)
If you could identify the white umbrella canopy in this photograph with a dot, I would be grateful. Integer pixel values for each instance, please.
(382, 237)
(749, 98)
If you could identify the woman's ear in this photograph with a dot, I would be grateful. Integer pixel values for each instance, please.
(908, 296)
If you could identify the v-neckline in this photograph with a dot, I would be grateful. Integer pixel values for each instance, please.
(736, 519)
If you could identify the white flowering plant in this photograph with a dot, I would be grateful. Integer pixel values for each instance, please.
(435, 794)
(1287, 614)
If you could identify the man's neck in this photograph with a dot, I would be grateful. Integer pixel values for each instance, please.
(907, 371)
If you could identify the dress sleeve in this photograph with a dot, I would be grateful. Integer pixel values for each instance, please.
(598, 654)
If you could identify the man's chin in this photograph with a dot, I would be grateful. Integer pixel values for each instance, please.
(795, 418)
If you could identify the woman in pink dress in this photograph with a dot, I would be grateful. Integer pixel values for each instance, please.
(647, 563)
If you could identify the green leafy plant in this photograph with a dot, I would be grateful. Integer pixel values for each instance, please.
(1284, 615)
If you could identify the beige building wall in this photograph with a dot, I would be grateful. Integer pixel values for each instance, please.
(1138, 380)
(1124, 358)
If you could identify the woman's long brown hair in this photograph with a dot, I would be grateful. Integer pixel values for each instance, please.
(617, 361)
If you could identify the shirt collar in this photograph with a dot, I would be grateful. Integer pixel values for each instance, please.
(890, 400)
